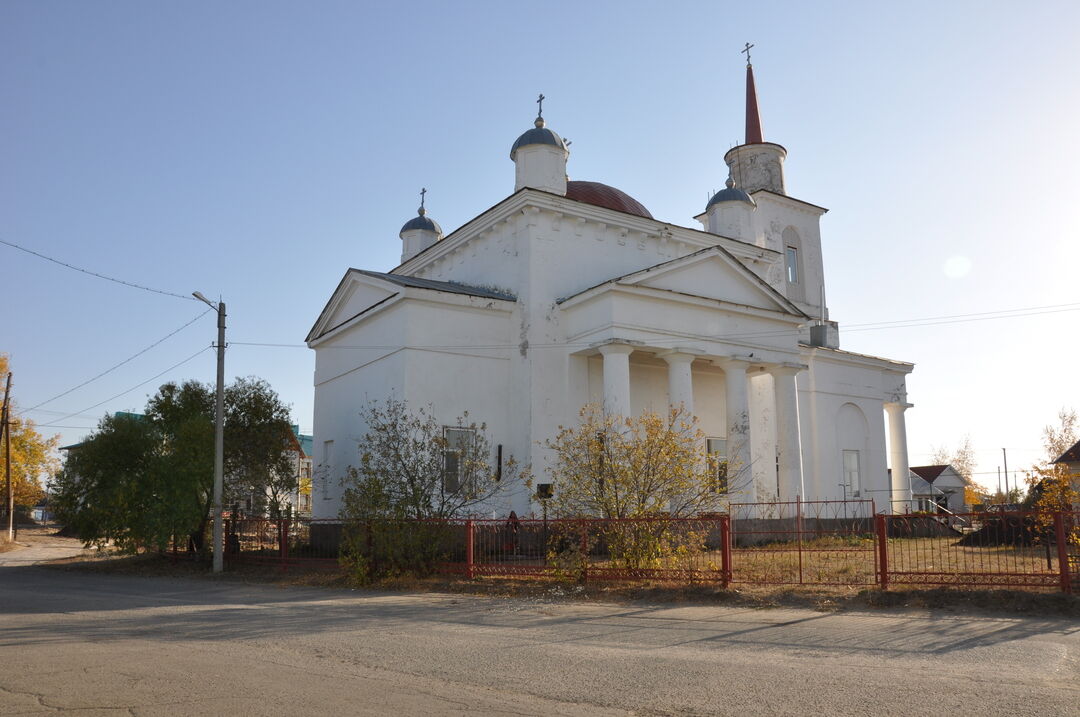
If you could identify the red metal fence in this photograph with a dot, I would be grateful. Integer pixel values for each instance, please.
(823, 542)
(1015, 549)
(801, 542)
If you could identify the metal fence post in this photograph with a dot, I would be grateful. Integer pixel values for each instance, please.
(725, 551)
(1063, 552)
(469, 533)
(284, 543)
(883, 550)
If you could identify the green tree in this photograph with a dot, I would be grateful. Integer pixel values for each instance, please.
(117, 487)
(257, 426)
(141, 480)
(184, 416)
(33, 457)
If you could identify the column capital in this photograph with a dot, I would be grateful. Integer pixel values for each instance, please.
(678, 356)
(735, 362)
(615, 348)
(786, 369)
(894, 407)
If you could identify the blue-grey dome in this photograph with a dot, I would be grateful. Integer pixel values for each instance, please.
(422, 221)
(730, 193)
(538, 135)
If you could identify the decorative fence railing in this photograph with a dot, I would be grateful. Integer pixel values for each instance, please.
(824, 542)
(1020, 548)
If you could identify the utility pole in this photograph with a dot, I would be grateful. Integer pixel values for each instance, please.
(1005, 457)
(219, 434)
(7, 459)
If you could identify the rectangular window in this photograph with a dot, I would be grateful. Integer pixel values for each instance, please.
(326, 468)
(851, 473)
(717, 450)
(454, 457)
(792, 265)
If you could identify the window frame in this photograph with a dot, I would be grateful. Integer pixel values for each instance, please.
(719, 482)
(452, 451)
(791, 260)
(853, 491)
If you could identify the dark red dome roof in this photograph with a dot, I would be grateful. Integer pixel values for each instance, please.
(602, 195)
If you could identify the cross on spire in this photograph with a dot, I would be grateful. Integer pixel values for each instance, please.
(540, 105)
(423, 191)
(747, 51)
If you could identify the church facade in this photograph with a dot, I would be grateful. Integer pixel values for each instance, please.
(571, 292)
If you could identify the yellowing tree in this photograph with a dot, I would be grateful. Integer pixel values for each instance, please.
(33, 457)
(1053, 486)
(630, 467)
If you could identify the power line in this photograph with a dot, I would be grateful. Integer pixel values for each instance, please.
(849, 328)
(110, 370)
(178, 365)
(61, 413)
(94, 273)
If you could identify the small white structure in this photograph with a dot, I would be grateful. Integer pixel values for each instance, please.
(568, 292)
(940, 486)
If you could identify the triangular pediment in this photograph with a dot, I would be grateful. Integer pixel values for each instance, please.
(355, 295)
(713, 274)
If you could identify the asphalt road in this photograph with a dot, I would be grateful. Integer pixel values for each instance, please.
(109, 645)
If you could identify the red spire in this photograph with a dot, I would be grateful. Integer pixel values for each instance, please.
(753, 120)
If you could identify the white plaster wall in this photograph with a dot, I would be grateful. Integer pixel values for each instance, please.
(338, 401)
(831, 381)
(773, 216)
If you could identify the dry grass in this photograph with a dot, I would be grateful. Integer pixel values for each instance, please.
(547, 589)
(946, 555)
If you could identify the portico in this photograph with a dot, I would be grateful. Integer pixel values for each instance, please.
(728, 399)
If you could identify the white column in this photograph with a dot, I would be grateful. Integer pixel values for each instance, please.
(740, 476)
(788, 439)
(680, 380)
(900, 496)
(616, 378)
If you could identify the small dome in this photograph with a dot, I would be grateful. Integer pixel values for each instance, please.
(730, 193)
(538, 135)
(602, 195)
(422, 221)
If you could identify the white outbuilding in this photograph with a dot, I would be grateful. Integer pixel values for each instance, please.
(570, 292)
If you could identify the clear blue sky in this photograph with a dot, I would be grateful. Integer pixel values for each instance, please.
(255, 150)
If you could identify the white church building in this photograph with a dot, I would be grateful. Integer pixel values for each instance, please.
(571, 292)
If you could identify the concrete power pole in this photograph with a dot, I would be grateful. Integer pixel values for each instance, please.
(7, 459)
(219, 434)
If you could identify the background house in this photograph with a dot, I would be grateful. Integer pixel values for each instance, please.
(934, 486)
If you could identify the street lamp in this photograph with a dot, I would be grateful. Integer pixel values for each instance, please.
(219, 432)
